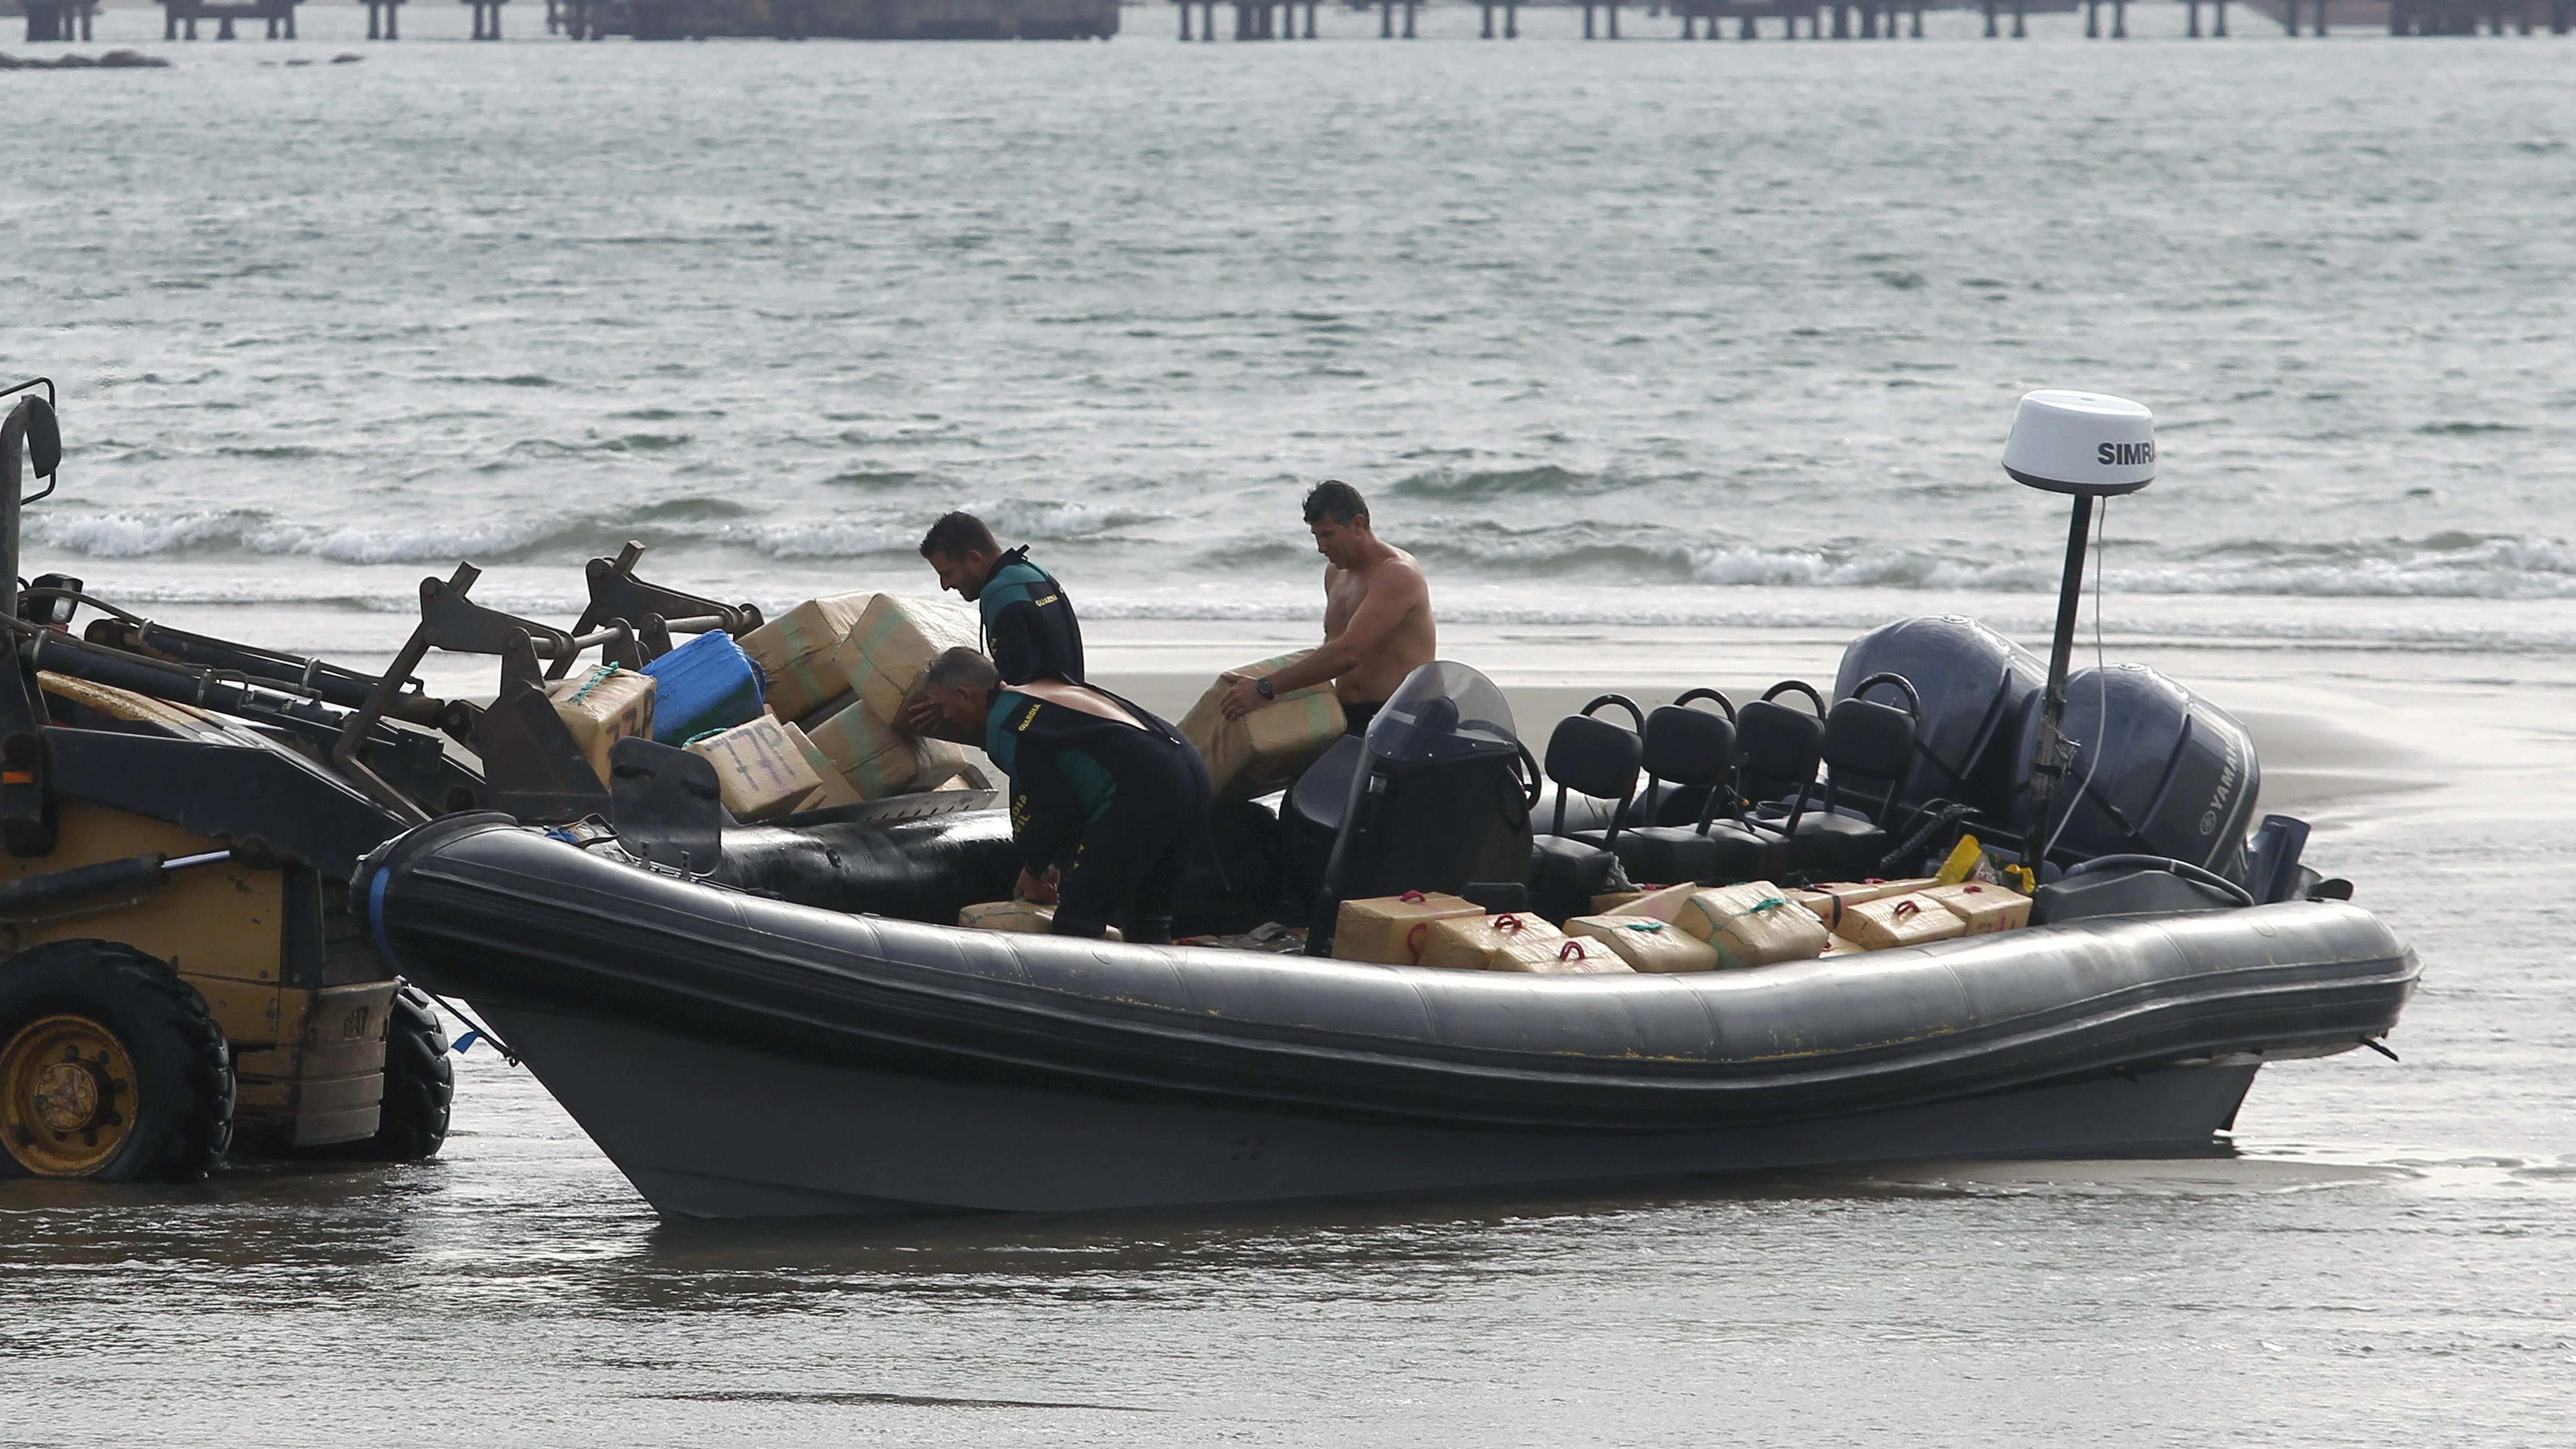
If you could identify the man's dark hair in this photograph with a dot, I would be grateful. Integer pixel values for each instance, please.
(959, 534)
(962, 668)
(1336, 500)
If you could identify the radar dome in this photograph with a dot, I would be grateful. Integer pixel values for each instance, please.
(2081, 442)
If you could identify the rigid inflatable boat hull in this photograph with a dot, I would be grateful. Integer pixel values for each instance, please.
(708, 1130)
(745, 1056)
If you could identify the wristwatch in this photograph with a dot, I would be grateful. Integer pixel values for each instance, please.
(1261, 687)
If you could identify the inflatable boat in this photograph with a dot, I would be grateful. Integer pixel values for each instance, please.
(783, 1020)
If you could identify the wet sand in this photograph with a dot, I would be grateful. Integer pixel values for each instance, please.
(2383, 1254)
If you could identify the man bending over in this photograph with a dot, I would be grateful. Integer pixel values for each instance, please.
(1377, 616)
(1100, 789)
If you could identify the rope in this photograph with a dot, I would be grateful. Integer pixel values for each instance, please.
(598, 676)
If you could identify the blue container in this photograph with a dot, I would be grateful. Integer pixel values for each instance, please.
(705, 684)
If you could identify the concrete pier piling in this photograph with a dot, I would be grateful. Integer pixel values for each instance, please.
(54, 20)
(572, 19)
(872, 20)
(1253, 19)
(2462, 17)
(179, 17)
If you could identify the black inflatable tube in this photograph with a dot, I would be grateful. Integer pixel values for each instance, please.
(475, 908)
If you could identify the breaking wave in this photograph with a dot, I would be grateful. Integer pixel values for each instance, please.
(2449, 565)
(1543, 481)
(249, 531)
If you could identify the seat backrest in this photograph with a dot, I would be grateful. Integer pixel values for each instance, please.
(1595, 757)
(1780, 747)
(1689, 747)
(1870, 748)
(1868, 739)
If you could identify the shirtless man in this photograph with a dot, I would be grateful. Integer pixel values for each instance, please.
(1377, 616)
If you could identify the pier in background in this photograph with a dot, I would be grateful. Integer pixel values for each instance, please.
(1257, 20)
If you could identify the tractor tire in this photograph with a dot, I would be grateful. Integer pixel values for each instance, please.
(111, 1068)
(420, 1084)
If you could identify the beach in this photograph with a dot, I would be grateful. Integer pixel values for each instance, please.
(1676, 365)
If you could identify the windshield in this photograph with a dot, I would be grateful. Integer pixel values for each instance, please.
(1443, 711)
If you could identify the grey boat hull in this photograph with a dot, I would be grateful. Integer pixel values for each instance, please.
(708, 1130)
(742, 1056)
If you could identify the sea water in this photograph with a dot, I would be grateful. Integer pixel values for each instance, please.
(1663, 358)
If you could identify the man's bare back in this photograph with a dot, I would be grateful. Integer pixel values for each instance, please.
(1378, 625)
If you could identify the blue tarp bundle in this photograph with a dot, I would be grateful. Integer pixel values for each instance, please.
(705, 684)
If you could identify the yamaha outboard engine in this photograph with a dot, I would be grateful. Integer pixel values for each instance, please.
(1975, 686)
(2157, 770)
(1434, 798)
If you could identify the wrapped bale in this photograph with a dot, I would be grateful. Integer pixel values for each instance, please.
(706, 684)
(1753, 925)
(833, 790)
(604, 706)
(877, 760)
(1646, 944)
(1388, 930)
(896, 638)
(1907, 920)
(805, 654)
(1467, 943)
(1986, 908)
(759, 768)
(1023, 916)
(1269, 747)
(1831, 903)
(1662, 905)
(1563, 956)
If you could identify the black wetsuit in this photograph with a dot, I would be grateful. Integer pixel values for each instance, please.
(1119, 808)
(1029, 627)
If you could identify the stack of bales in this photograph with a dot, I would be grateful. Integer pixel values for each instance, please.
(842, 673)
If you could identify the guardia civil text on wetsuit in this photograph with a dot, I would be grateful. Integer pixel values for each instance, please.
(1029, 625)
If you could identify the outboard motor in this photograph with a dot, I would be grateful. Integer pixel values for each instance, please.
(1434, 798)
(1975, 686)
(2161, 772)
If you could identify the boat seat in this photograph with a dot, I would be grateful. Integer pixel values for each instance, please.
(1670, 802)
(1868, 752)
(1600, 759)
(1694, 751)
(1777, 751)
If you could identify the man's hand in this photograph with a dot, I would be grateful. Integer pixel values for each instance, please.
(1034, 890)
(1242, 695)
(925, 716)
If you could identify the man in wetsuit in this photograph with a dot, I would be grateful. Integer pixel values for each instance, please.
(1101, 791)
(1377, 616)
(1029, 628)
